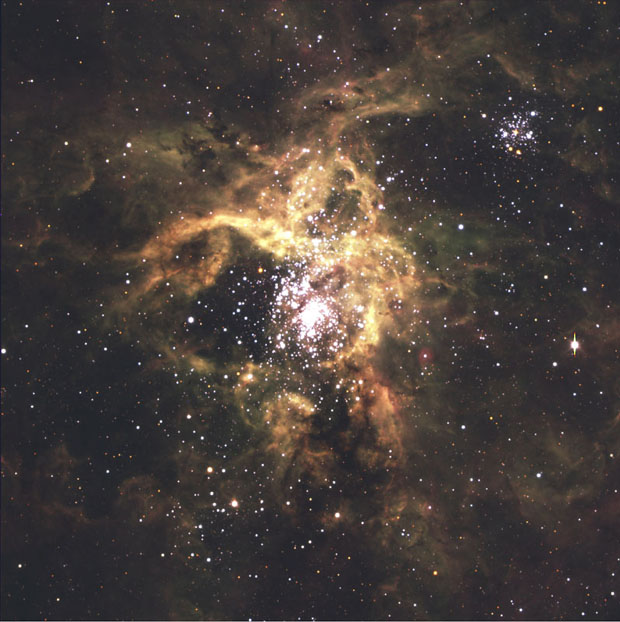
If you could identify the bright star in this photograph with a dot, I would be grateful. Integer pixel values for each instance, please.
(574, 344)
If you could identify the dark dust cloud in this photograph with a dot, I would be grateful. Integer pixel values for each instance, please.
(310, 310)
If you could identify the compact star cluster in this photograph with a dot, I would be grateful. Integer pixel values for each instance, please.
(308, 312)
(516, 133)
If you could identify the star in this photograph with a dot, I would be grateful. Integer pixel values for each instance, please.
(574, 344)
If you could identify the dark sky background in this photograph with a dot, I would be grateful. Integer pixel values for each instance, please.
(310, 310)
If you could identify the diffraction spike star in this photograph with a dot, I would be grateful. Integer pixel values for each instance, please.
(574, 344)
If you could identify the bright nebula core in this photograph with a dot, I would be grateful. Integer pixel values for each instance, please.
(310, 310)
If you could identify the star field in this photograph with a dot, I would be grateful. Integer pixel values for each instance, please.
(309, 310)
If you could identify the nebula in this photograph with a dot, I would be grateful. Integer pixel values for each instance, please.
(308, 311)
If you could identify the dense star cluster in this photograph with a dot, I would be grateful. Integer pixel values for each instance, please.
(309, 310)
(515, 132)
(306, 310)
